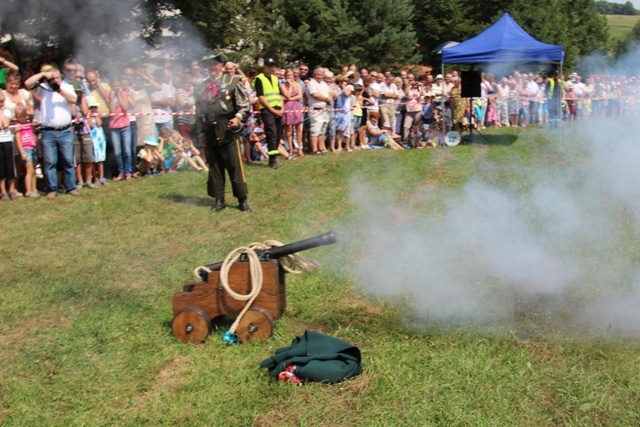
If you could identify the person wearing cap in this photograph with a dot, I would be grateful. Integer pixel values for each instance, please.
(57, 99)
(270, 103)
(437, 89)
(258, 143)
(151, 158)
(222, 107)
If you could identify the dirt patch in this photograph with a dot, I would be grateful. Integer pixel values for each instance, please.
(12, 338)
(170, 377)
(335, 404)
(541, 353)
(443, 159)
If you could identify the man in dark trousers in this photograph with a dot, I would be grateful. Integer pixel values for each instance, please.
(222, 107)
(553, 90)
(270, 102)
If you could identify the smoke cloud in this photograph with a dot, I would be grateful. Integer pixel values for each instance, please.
(110, 34)
(554, 250)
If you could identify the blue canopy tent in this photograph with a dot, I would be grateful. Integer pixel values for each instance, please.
(503, 42)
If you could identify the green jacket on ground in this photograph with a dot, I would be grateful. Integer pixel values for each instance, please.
(318, 357)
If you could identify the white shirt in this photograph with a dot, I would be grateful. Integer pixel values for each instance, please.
(436, 91)
(5, 134)
(385, 88)
(55, 111)
(447, 89)
(374, 99)
(319, 88)
(11, 106)
(161, 114)
(532, 87)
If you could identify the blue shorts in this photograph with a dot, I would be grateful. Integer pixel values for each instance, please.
(357, 122)
(168, 162)
(32, 155)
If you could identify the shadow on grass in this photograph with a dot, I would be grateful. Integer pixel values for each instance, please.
(189, 200)
(484, 139)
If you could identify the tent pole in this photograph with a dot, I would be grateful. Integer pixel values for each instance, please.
(561, 93)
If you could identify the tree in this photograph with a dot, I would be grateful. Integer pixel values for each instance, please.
(607, 8)
(221, 23)
(333, 32)
(439, 21)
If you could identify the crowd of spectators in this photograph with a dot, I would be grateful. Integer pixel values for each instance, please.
(136, 120)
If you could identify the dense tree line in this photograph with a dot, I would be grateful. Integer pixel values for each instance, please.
(388, 32)
(608, 8)
(332, 32)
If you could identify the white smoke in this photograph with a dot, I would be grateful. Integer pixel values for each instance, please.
(556, 249)
(111, 34)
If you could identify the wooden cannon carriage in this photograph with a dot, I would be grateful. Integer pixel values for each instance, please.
(201, 302)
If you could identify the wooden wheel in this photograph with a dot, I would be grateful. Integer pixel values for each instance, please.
(256, 323)
(191, 325)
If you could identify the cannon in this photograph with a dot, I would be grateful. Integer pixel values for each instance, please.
(206, 300)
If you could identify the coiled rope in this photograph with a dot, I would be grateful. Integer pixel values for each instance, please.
(292, 263)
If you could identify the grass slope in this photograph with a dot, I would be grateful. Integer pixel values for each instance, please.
(85, 311)
(619, 25)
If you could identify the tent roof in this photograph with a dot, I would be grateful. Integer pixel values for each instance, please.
(504, 41)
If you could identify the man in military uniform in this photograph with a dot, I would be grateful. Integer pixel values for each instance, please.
(222, 107)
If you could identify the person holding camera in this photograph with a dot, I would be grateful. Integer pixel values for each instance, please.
(57, 98)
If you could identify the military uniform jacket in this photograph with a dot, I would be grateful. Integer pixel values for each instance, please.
(221, 97)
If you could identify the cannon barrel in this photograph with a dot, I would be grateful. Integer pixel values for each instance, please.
(275, 252)
(299, 246)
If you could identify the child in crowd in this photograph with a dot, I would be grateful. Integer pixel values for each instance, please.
(416, 135)
(188, 152)
(28, 147)
(171, 153)
(258, 141)
(448, 120)
(247, 132)
(492, 113)
(83, 143)
(151, 158)
(478, 112)
(393, 142)
(356, 115)
(98, 140)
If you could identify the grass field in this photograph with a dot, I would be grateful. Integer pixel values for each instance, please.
(86, 286)
(619, 25)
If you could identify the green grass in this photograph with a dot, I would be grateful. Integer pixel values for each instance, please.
(85, 309)
(619, 25)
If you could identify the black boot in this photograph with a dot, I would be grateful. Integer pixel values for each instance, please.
(243, 205)
(219, 205)
(273, 162)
